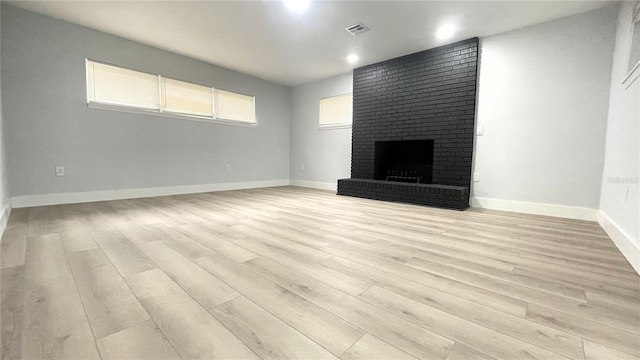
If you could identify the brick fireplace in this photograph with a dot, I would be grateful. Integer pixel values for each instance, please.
(421, 104)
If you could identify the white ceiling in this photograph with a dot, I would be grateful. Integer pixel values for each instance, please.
(266, 40)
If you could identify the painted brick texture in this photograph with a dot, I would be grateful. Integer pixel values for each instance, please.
(426, 95)
(444, 196)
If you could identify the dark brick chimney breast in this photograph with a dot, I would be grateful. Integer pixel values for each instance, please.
(430, 95)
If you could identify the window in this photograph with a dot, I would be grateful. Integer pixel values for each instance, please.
(185, 98)
(112, 87)
(233, 106)
(117, 86)
(336, 112)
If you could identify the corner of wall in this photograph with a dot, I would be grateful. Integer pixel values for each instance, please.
(618, 212)
(325, 154)
(4, 219)
(5, 200)
(625, 242)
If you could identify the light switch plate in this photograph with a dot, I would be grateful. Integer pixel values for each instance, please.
(480, 130)
(60, 171)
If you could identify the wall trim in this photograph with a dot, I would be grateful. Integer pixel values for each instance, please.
(563, 211)
(5, 219)
(90, 196)
(315, 184)
(625, 243)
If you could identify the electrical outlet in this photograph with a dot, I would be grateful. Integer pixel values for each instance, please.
(60, 171)
(476, 176)
(480, 130)
(227, 168)
(302, 167)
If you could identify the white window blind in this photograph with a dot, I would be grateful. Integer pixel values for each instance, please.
(234, 106)
(186, 98)
(117, 86)
(336, 111)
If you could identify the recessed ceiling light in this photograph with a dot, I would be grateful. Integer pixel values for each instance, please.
(352, 58)
(297, 5)
(445, 32)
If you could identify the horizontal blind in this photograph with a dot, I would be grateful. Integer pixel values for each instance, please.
(234, 106)
(113, 85)
(186, 98)
(336, 110)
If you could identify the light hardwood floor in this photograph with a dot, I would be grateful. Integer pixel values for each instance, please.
(298, 273)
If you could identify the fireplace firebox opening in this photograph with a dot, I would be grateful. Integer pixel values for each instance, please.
(404, 161)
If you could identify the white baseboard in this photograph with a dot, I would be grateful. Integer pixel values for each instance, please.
(627, 245)
(315, 184)
(569, 212)
(90, 196)
(5, 218)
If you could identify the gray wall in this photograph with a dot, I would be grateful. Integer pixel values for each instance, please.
(47, 121)
(543, 100)
(326, 154)
(4, 181)
(622, 144)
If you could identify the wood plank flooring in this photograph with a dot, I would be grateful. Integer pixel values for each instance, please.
(298, 273)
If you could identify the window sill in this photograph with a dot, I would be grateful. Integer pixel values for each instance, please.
(335, 126)
(153, 112)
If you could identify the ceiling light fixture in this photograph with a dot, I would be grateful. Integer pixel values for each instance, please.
(445, 32)
(297, 5)
(352, 58)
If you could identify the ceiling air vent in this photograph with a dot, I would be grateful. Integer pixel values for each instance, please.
(357, 29)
